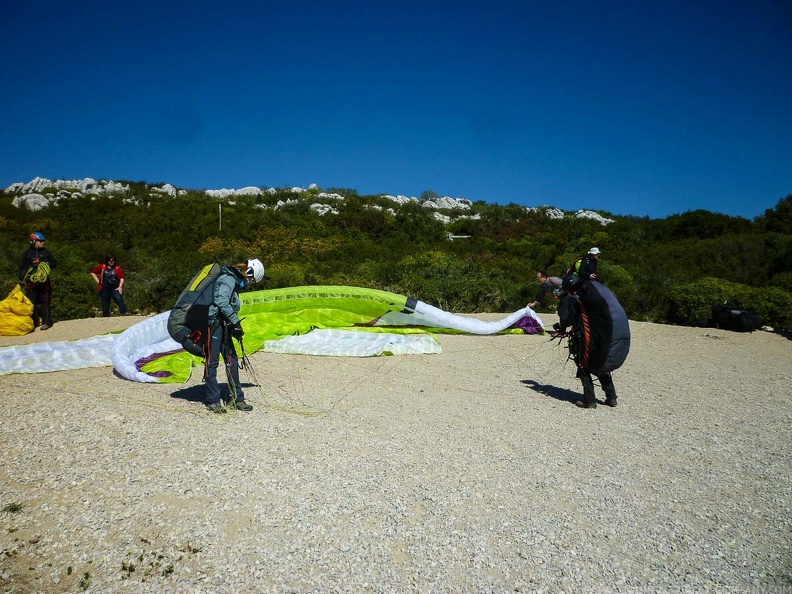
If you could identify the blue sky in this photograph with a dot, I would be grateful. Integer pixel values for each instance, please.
(634, 108)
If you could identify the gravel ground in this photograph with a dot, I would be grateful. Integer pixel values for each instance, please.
(469, 471)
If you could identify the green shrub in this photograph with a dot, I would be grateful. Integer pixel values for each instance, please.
(783, 280)
(692, 303)
(773, 305)
(74, 296)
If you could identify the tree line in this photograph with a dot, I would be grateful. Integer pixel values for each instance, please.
(671, 270)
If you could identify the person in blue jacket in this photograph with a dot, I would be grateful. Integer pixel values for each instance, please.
(599, 335)
(225, 325)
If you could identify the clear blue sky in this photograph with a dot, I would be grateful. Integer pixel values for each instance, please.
(641, 108)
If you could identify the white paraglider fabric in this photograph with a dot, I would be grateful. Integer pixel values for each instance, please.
(428, 315)
(57, 356)
(352, 343)
(139, 342)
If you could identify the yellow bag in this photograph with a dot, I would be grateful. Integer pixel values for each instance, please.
(16, 313)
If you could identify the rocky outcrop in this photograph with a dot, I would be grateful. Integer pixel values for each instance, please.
(41, 192)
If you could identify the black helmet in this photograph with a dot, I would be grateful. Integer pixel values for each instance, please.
(572, 283)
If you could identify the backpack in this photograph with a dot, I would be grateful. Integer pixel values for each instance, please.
(574, 268)
(188, 322)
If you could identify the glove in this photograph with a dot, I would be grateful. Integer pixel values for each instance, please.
(557, 327)
(237, 331)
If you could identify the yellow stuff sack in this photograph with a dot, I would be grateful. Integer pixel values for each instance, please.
(16, 313)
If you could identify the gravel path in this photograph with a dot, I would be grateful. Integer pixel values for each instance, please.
(469, 471)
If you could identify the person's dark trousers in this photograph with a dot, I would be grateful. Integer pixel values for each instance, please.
(106, 295)
(220, 346)
(40, 297)
(606, 381)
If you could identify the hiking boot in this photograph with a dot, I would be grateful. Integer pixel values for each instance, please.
(581, 404)
(45, 326)
(610, 402)
(242, 405)
(215, 407)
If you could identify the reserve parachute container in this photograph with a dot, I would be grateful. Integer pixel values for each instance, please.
(605, 340)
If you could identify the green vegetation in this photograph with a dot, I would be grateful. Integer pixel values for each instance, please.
(12, 508)
(669, 270)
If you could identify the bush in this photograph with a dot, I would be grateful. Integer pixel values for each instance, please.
(783, 280)
(774, 306)
(691, 304)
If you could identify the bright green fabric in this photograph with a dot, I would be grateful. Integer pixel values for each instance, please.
(275, 313)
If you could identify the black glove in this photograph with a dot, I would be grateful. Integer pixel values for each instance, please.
(237, 331)
(557, 327)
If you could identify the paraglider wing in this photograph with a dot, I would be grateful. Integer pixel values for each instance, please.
(322, 320)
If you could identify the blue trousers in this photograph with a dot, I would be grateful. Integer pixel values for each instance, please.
(105, 295)
(221, 347)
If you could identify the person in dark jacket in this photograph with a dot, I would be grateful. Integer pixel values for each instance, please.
(599, 335)
(109, 278)
(34, 278)
(586, 267)
(546, 283)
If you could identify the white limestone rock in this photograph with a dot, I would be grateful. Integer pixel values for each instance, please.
(446, 202)
(87, 185)
(32, 201)
(555, 213)
(166, 189)
(399, 199)
(590, 214)
(323, 209)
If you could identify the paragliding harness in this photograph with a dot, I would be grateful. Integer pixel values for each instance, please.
(226, 351)
(188, 322)
(574, 338)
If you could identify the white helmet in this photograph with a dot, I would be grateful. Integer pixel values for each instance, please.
(594, 251)
(255, 270)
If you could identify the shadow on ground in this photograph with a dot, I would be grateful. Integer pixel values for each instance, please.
(197, 393)
(191, 394)
(561, 394)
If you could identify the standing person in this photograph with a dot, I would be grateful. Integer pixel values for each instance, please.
(224, 324)
(586, 267)
(599, 335)
(34, 278)
(109, 279)
(546, 283)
